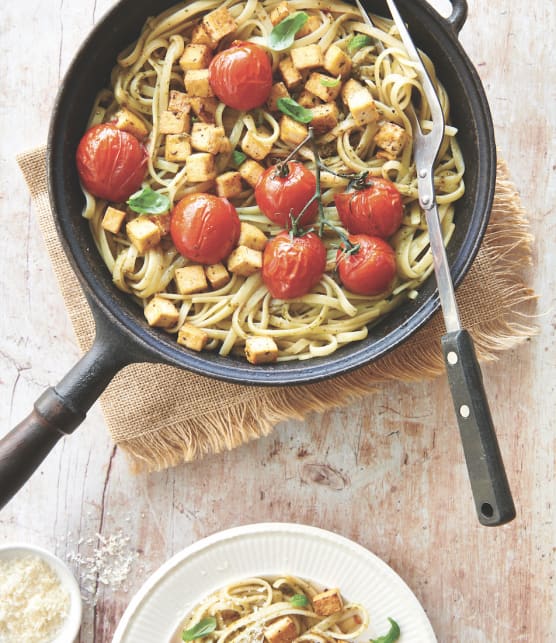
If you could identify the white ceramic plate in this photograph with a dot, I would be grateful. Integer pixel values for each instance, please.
(270, 549)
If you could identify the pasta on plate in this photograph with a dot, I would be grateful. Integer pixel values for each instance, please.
(189, 141)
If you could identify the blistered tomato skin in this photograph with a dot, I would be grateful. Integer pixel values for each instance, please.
(292, 266)
(376, 210)
(204, 228)
(281, 197)
(111, 163)
(241, 76)
(369, 271)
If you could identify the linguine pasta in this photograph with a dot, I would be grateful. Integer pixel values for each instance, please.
(329, 316)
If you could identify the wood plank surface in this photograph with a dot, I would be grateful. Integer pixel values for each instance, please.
(387, 472)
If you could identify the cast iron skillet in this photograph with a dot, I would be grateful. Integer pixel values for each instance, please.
(122, 335)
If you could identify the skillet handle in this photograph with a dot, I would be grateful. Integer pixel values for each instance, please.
(57, 412)
(491, 491)
(459, 14)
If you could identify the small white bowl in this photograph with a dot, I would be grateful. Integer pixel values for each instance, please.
(70, 629)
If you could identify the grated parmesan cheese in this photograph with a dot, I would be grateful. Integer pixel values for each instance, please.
(33, 603)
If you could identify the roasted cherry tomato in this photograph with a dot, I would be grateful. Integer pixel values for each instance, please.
(204, 228)
(369, 270)
(241, 76)
(376, 209)
(111, 163)
(293, 265)
(284, 190)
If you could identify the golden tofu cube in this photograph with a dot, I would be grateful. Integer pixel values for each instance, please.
(263, 350)
(204, 108)
(360, 102)
(279, 90)
(251, 172)
(255, 146)
(307, 57)
(328, 602)
(292, 132)
(245, 261)
(174, 122)
(163, 222)
(323, 86)
(312, 24)
(217, 275)
(200, 36)
(279, 12)
(200, 167)
(177, 148)
(113, 219)
(228, 185)
(207, 137)
(392, 139)
(325, 117)
(284, 630)
(306, 99)
(190, 280)
(161, 312)
(127, 121)
(143, 233)
(219, 23)
(197, 83)
(178, 101)
(225, 146)
(195, 57)
(290, 74)
(337, 62)
(192, 337)
(252, 237)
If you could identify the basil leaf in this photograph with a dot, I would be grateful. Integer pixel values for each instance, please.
(283, 34)
(204, 626)
(330, 83)
(147, 201)
(299, 600)
(238, 157)
(299, 113)
(393, 634)
(357, 42)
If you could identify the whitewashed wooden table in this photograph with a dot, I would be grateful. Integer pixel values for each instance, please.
(387, 472)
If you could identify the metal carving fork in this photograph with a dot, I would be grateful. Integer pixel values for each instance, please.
(491, 491)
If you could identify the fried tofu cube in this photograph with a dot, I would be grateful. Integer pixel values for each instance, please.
(177, 148)
(200, 36)
(207, 137)
(245, 261)
(252, 237)
(360, 102)
(251, 171)
(279, 13)
(217, 275)
(255, 146)
(307, 57)
(127, 121)
(263, 350)
(195, 57)
(278, 90)
(229, 185)
(292, 132)
(325, 117)
(190, 280)
(337, 62)
(290, 74)
(284, 630)
(192, 337)
(323, 86)
(313, 23)
(174, 122)
(328, 602)
(200, 167)
(113, 219)
(178, 101)
(143, 233)
(204, 108)
(391, 138)
(163, 222)
(161, 312)
(197, 83)
(225, 146)
(306, 99)
(219, 23)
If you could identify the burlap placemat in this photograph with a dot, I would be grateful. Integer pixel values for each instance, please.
(191, 415)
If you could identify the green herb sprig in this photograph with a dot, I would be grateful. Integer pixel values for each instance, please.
(294, 110)
(299, 600)
(358, 42)
(393, 634)
(283, 34)
(202, 628)
(148, 201)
